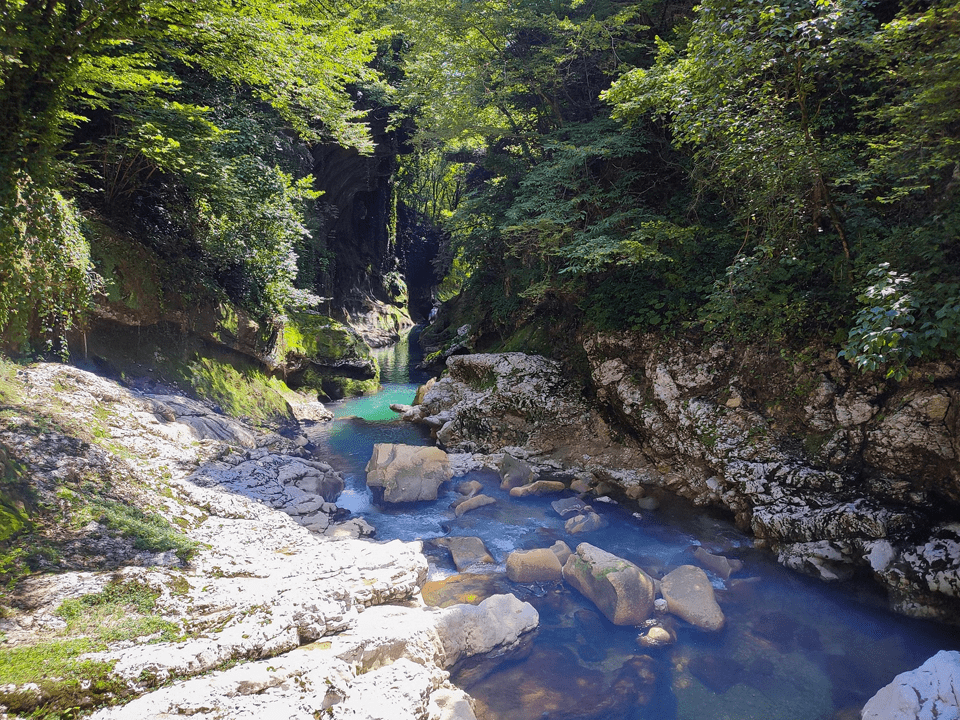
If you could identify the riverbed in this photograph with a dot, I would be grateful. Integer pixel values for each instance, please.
(793, 648)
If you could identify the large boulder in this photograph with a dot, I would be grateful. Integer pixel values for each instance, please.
(930, 691)
(690, 596)
(495, 624)
(407, 473)
(621, 590)
(529, 566)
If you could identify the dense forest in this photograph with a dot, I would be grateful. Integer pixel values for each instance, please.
(774, 171)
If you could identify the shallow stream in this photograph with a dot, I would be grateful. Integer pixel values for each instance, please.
(792, 649)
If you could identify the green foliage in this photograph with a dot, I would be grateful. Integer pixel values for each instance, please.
(248, 227)
(124, 609)
(44, 265)
(915, 111)
(100, 88)
(148, 530)
(899, 321)
(830, 139)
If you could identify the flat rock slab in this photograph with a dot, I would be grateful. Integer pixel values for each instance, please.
(465, 551)
(690, 596)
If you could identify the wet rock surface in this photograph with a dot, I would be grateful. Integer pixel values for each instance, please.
(837, 474)
(621, 590)
(407, 473)
(689, 596)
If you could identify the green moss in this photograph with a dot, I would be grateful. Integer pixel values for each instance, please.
(123, 610)
(611, 570)
(331, 386)
(530, 338)
(16, 498)
(12, 520)
(148, 530)
(329, 345)
(66, 682)
(179, 586)
(130, 272)
(240, 390)
(321, 337)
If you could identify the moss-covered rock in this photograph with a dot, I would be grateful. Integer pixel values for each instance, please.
(327, 357)
(132, 278)
(15, 499)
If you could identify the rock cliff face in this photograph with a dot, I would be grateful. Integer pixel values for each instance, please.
(836, 473)
(377, 267)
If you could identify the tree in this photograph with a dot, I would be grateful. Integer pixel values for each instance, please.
(62, 60)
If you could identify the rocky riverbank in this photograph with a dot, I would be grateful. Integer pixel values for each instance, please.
(699, 424)
(155, 549)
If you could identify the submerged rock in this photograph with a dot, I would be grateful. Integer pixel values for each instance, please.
(470, 588)
(569, 506)
(553, 683)
(690, 596)
(656, 637)
(717, 564)
(407, 473)
(621, 590)
(585, 523)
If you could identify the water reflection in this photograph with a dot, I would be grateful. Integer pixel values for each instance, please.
(792, 648)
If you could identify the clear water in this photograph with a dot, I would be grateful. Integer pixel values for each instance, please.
(792, 648)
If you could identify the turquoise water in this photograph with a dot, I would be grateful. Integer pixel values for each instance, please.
(792, 648)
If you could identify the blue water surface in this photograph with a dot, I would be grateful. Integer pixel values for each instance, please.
(792, 648)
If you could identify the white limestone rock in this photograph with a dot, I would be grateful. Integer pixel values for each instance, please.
(930, 691)
(496, 623)
(407, 473)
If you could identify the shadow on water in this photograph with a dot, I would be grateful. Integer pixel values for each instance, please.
(792, 648)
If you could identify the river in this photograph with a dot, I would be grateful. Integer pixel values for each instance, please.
(793, 648)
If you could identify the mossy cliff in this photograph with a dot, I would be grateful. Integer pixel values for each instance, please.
(326, 357)
(151, 327)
